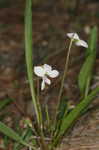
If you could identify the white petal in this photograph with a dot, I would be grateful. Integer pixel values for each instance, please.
(39, 71)
(53, 73)
(43, 85)
(46, 80)
(47, 68)
(81, 43)
(73, 36)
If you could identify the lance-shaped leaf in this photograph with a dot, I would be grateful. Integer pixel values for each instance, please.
(11, 134)
(5, 102)
(85, 74)
(70, 119)
(29, 53)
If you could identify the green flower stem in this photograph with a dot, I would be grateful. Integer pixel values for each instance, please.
(65, 71)
(47, 116)
(39, 106)
(63, 78)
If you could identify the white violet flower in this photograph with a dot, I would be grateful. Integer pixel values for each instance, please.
(44, 71)
(77, 40)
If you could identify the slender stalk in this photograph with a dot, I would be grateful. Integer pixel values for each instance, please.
(63, 79)
(65, 71)
(39, 105)
(40, 110)
(42, 142)
(47, 116)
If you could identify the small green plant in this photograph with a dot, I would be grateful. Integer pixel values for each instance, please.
(48, 136)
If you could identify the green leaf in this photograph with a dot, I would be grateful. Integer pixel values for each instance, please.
(85, 74)
(29, 54)
(11, 134)
(62, 112)
(5, 102)
(92, 41)
(26, 137)
(70, 119)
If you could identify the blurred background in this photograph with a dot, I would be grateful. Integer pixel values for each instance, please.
(52, 20)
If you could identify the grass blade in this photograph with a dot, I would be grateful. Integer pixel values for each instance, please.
(26, 137)
(73, 115)
(5, 102)
(92, 41)
(62, 112)
(11, 134)
(85, 74)
(28, 52)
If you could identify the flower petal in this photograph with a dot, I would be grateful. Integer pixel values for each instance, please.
(43, 85)
(47, 68)
(53, 73)
(81, 43)
(39, 71)
(73, 36)
(46, 80)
